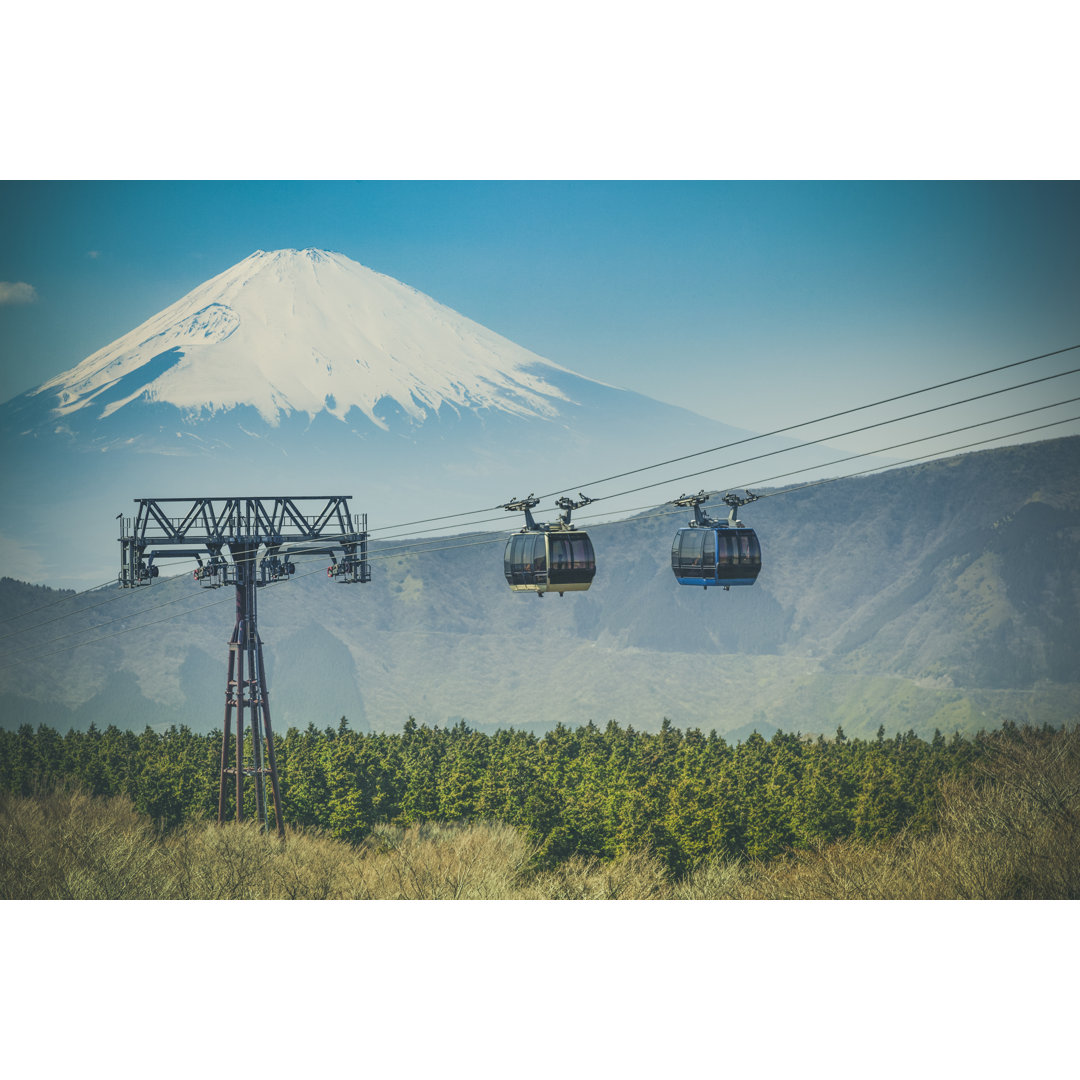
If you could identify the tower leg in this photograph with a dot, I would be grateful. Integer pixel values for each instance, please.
(256, 739)
(230, 701)
(240, 732)
(246, 689)
(264, 697)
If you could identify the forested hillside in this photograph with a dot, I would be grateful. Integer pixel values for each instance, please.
(941, 596)
(684, 796)
(585, 813)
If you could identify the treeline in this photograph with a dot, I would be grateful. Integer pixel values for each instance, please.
(599, 793)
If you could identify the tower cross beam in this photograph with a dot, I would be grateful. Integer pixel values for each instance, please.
(205, 521)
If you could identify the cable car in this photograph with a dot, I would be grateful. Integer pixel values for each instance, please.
(549, 557)
(720, 553)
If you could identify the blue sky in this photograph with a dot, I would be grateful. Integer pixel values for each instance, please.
(760, 303)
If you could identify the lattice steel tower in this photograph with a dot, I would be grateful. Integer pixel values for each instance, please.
(231, 534)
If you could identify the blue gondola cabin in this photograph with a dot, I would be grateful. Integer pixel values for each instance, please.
(715, 555)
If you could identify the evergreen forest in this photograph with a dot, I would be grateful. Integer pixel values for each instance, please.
(584, 797)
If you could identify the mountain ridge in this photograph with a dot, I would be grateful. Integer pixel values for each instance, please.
(944, 595)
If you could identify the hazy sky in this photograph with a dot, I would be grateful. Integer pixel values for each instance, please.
(757, 303)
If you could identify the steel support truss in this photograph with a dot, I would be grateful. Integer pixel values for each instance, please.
(246, 543)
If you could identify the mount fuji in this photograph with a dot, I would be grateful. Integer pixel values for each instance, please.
(308, 332)
(304, 372)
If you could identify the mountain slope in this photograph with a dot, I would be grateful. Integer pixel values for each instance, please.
(305, 332)
(945, 595)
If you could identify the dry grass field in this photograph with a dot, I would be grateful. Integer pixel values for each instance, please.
(1010, 832)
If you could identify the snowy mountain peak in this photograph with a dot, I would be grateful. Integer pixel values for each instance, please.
(304, 332)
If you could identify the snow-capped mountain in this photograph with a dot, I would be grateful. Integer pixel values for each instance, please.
(306, 332)
(303, 371)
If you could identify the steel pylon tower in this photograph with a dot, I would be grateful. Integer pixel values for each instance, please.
(247, 543)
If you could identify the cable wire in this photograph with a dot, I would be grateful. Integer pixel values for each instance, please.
(820, 419)
(112, 598)
(60, 600)
(771, 453)
(751, 438)
(828, 465)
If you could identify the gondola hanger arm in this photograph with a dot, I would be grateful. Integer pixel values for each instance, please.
(734, 501)
(568, 506)
(527, 505)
